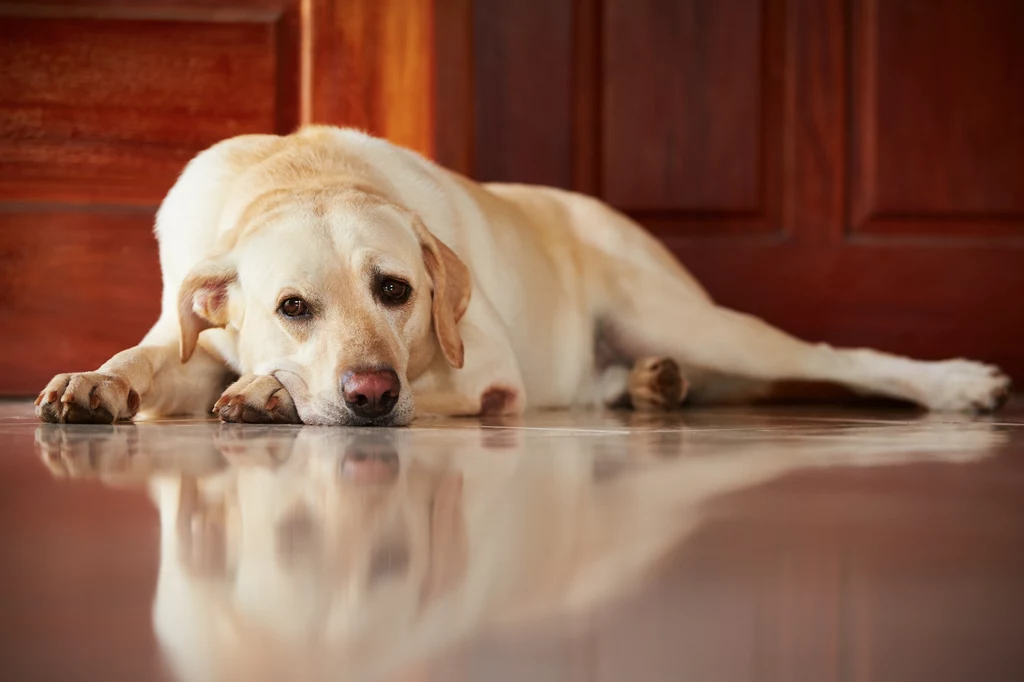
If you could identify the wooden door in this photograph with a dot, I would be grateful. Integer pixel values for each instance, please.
(850, 170)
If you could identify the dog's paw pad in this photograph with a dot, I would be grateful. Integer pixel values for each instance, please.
(87, 398)
(257, 400)
(656, 384)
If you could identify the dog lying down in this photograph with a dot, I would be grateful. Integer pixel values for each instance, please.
(350, 281)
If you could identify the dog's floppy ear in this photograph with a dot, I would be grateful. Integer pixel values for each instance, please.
(451, 292)
(203, 302)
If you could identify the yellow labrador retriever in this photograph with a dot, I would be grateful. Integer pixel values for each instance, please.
(349, 281)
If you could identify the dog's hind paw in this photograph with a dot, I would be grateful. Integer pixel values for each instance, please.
(965, 386)
(656, 384)
(257, 400)
(87, 398)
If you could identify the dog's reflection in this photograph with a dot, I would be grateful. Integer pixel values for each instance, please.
(308, 553)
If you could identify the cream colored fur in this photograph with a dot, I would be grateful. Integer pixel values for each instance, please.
(544, 271)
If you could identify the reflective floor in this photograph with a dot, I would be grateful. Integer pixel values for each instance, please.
(798, 544)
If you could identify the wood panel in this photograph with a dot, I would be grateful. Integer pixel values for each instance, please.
(522, 70)
(453, 132)
(371, 67)
(938, 129)
(683, 129)
(689, 123)
(108, 110)
(76, 287)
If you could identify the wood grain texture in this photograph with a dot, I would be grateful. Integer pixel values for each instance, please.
(522, 88)
(683, 100)
(109, 111)
(815, 149)
(372, 68)
(938, 129)
(587, 91)
(693, 132)
(453, 85)
(77, 285)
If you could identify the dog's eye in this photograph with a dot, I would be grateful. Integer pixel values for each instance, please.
(294, 307)
(394, 291)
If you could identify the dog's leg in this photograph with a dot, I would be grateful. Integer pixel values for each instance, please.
(149, 377)
(649, 306)
(711, 340)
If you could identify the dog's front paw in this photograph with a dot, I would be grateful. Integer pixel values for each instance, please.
(656, 384)
(965, 386)
(257, 400)
(87, 398)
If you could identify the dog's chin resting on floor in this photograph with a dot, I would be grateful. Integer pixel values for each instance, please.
(344, 280)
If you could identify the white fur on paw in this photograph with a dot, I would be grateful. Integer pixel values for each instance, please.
(87, 398)
(965, 386)
(257, 400)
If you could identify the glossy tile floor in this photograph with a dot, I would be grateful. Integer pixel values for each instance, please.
(805, 544)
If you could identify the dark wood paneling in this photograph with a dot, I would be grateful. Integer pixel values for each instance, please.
(522, 87)
(453, 85)
(684, 102)
(110, 110)
(938, 129)
(815, 148)
(692, 115)
(77, 285)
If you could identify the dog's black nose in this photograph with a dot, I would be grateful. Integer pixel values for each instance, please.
(371, 393)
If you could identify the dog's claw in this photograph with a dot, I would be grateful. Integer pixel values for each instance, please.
(87, 398)
(257, 400)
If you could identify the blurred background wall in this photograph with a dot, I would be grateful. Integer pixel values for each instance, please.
(851, 170)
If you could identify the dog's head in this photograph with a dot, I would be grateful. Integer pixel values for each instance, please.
(340, 294)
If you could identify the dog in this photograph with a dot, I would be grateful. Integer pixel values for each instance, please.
(348, 281)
